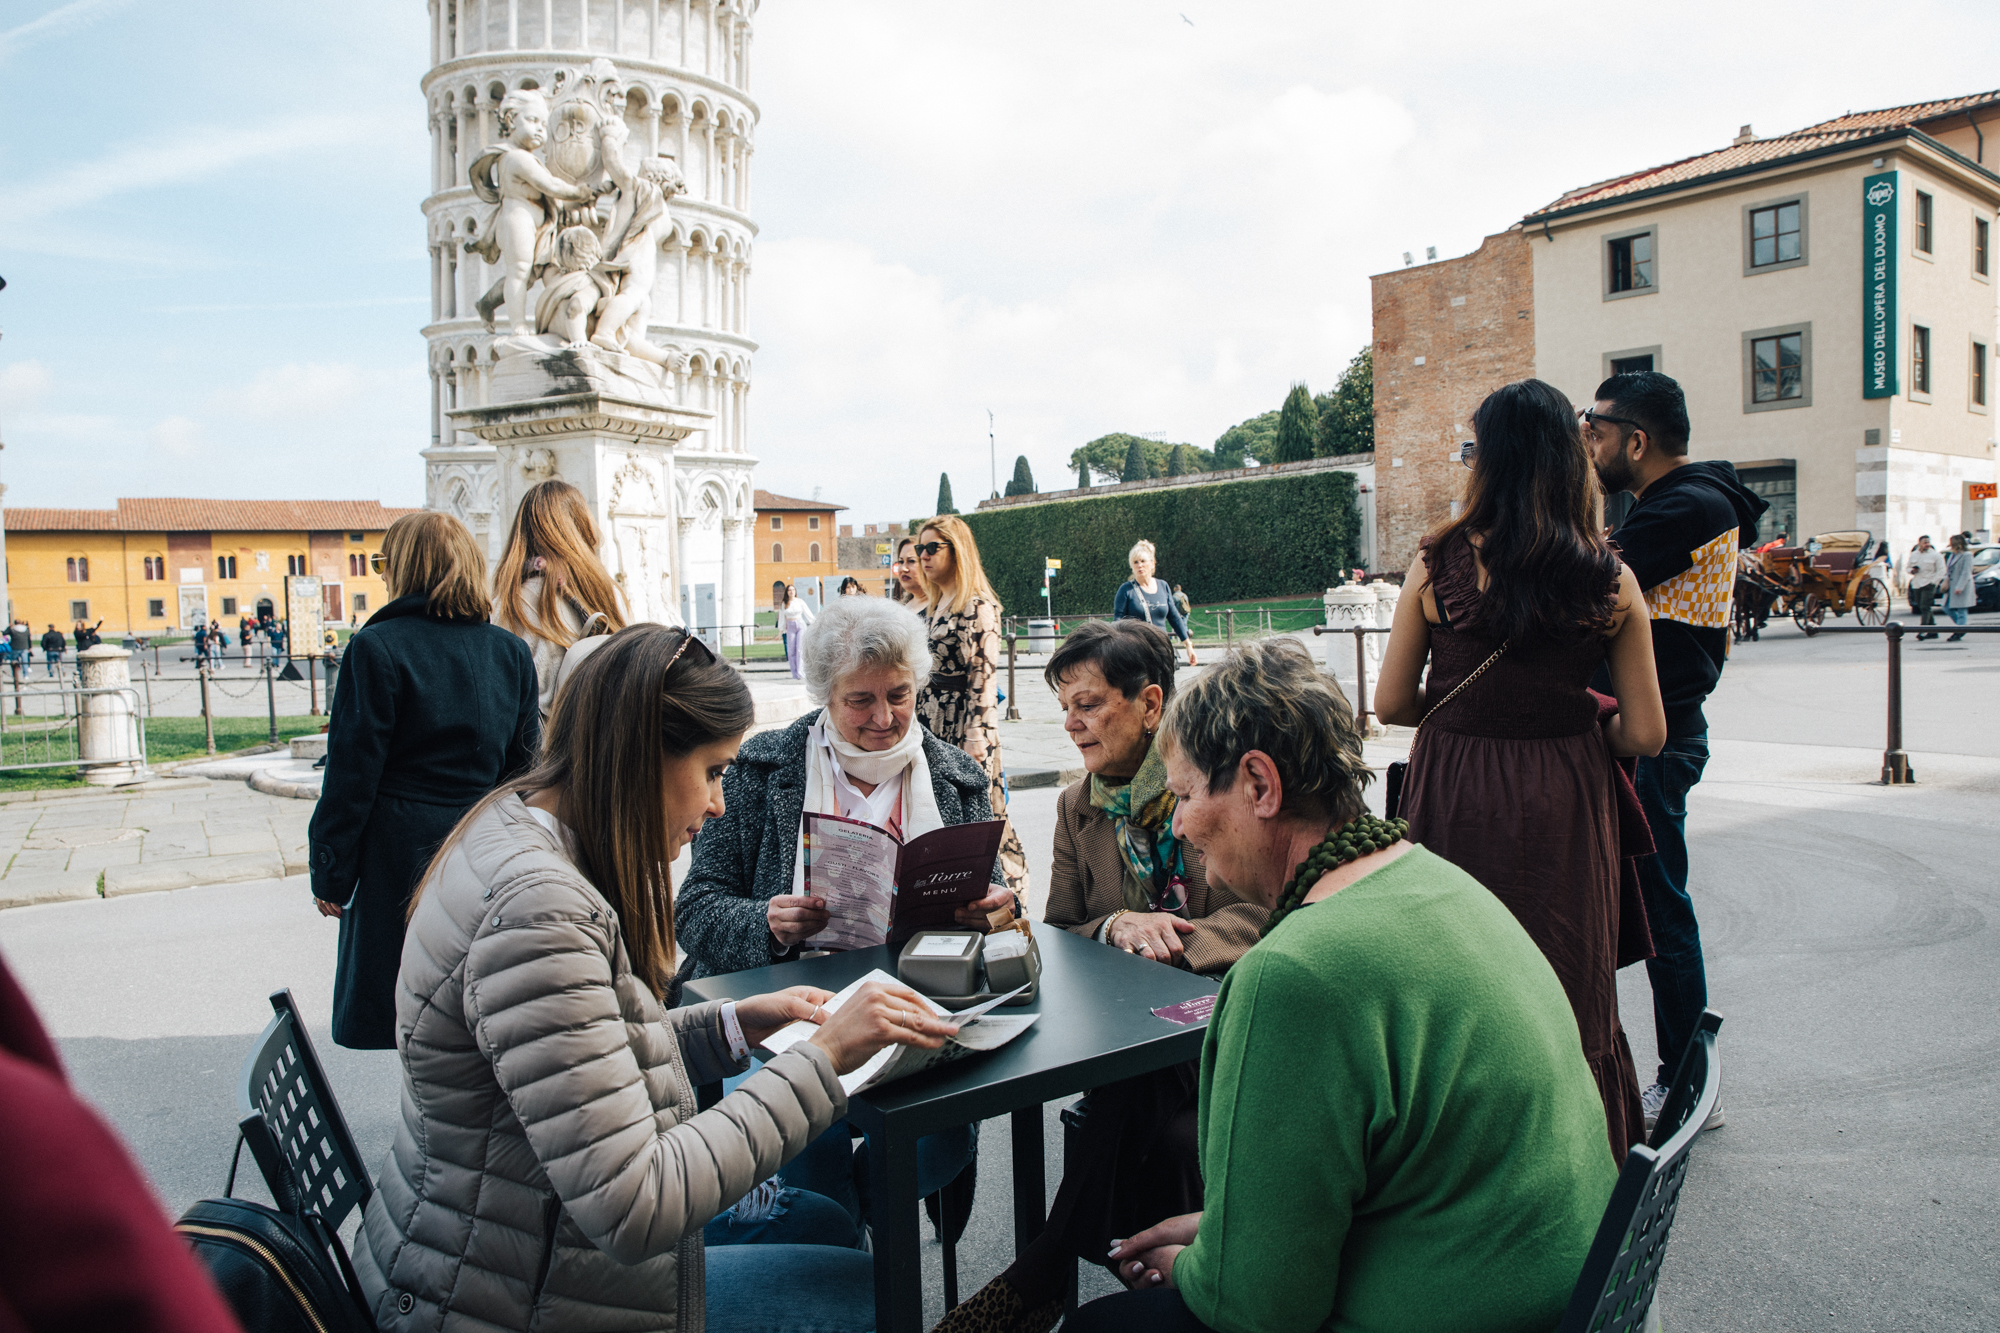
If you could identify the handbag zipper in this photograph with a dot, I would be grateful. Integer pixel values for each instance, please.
(263, 1252)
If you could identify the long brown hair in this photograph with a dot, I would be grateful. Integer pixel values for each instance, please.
(968, 575)
(435, 555)
(629, 705)
(553, 525)
(1533, 501)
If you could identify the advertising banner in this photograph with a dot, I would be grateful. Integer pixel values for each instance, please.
(303, 622)
(1878, 284)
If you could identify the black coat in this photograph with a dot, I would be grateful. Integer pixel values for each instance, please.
(428, 716)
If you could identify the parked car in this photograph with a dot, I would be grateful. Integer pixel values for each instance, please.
(1986, 577)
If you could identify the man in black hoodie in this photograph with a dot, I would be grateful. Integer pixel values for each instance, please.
(1680, 540)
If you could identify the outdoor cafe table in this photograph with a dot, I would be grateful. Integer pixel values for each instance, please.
(1096, 1027)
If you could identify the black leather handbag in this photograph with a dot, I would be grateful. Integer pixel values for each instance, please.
(1392, 784)
(280, 1272)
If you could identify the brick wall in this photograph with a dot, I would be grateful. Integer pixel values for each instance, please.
(1471, 322)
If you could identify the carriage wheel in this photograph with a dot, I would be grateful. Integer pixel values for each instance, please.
(1810, 614)
(1871, 601)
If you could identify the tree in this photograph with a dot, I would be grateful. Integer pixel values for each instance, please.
(1298, 427)
(1024, 480)
(1177, 461)
(1347, 415)
(1246, 442)
(1105, 456)
(1137, 466)
(1082, 470)
(944, 504)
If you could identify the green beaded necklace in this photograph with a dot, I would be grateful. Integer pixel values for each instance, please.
(1350, 842)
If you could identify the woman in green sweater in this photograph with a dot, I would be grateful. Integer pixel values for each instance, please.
(1398, 1129)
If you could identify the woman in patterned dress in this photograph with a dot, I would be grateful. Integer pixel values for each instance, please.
(961, 704)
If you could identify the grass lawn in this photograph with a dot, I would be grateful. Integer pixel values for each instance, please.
(167, 739)
(1210, 623)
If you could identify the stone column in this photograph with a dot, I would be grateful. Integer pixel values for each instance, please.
(732, 579)
(1347, 606)
(108, 736)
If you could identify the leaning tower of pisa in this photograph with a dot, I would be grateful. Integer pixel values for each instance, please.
(685, 67)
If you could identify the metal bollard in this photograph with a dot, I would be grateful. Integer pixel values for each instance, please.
(1013, 698)
(1231, 642)
(207, 717)
(271, 696)
(1896, 770)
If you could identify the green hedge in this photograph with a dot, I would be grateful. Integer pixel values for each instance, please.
(1233, 539)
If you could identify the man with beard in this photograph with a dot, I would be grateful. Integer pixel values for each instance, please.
(1680, 539)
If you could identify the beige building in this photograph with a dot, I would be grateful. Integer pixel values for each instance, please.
(1825, 297)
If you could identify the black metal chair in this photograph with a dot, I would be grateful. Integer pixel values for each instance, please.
(288, 1115)
(1621, 1274)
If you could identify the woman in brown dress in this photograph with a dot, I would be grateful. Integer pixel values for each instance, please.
(961, 704)
(1512, 778)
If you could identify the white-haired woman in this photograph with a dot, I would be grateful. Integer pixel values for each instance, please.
(862, 754)
(1143, 597)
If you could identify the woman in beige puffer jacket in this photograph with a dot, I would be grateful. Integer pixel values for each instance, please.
(551, 1170)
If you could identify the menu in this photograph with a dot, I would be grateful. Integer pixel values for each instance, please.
(979, 1029)
(879, 890)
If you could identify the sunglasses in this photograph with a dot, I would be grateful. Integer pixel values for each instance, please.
(931, 548)
(1590, 418)
(706, 654)
(1467, 451)
(377, 563)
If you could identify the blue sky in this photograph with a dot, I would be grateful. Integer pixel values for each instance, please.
(1125, 215)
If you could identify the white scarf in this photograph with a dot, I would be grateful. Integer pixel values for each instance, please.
(825, 747)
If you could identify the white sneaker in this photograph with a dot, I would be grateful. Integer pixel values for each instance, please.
(1655, 1097)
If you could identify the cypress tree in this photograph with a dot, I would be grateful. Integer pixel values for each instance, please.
(1024, 480)
(1177, 461)
(944, 504)
(1137, 466)
(1083, 474)
(1298, 426)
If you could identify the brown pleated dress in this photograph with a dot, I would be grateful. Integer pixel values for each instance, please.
(1514, 784)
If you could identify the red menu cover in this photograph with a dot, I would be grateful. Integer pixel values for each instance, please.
(879, 890)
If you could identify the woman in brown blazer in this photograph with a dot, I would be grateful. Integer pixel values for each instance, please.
(1120, 877)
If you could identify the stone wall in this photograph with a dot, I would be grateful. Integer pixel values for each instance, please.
(1339, 462)
(1446, 335)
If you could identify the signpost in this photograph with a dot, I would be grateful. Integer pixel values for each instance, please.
(1050, 568)
(1879, 205)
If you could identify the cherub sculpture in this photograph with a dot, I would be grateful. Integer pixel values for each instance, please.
(572, 287)
(519, 234)
(638, 225)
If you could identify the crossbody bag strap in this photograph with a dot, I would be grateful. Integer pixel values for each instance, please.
(1430, 712)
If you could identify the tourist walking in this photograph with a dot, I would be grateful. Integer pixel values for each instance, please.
(907, 574)
(1144, 597)
(961, 702)
(552, 589)
(1960, 596)
(551, 1167)
(433, 707)
(793, 618)
(53, 644)
(1924, 576)
(1181, 600)
(1362, 1059)
(200, 638)
(1515, 604)
(1680, 539)
(217, 641)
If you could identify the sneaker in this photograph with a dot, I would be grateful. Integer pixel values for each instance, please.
(1655, 1097)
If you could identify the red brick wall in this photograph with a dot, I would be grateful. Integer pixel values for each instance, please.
(1469, 349)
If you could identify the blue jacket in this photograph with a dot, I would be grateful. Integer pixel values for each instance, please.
(1131, 604)
(744, 859)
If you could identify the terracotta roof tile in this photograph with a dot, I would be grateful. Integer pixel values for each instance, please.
(194, 515)
(1827, 134)
(763, 500)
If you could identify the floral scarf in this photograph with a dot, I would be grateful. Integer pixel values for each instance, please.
(1142, 811)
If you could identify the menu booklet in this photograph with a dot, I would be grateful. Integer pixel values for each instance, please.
(978, 1030)
(881, 891)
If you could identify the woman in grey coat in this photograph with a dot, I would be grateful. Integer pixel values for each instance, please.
(1960, 596)
(551, 1170)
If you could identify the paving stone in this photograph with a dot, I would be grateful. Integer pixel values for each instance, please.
(231, 844)
(57, 859)
(46, 887)
(97, 857)
(155, 876)
(175, 842)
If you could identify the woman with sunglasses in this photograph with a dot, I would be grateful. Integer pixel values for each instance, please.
(433, 707)
(1513, 777)
(961, 704)
(551, 1168)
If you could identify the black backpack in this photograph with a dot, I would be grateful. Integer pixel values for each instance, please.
(280, 1272)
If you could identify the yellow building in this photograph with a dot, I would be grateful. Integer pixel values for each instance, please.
(795, 540)
(158, 566)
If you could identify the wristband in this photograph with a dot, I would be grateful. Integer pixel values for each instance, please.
(1104, 931)
(739, 1049)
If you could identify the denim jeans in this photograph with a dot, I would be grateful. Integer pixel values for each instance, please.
(1680, 981)
(53, 658)
(1957, 614)
(785, 1216)
(789, 1289)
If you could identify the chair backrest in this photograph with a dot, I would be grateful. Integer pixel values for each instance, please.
(289, 1117)
(1622, 1271)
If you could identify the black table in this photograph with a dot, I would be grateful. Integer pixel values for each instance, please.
(1096, 1028)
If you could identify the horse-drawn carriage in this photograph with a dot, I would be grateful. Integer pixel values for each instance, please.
(1833, 572)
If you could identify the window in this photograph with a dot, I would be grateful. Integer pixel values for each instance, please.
(79, 569)
(1777, 482)
(357, 565)
(1777, 368)
(229, 606)
(225, 566)
(1777, 234)
(777, 553)
(1920, 357)
(295, 564)
(360, 602)
(812, 523)
(812, 553)
(1923, 236)
(777, 522)
(156, 568)
(79, 610)
(156, 608)
(1982, 242)
(354, 536)
(1631, 365)
(1629, 264)
(1979, 374)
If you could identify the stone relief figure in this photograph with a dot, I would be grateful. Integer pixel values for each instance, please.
(572, 286)
(518, 234)
(639, 224)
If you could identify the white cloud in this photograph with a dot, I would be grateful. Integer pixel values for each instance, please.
(294, 392)
(177, 437)
(23, 384)
(54, 23)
